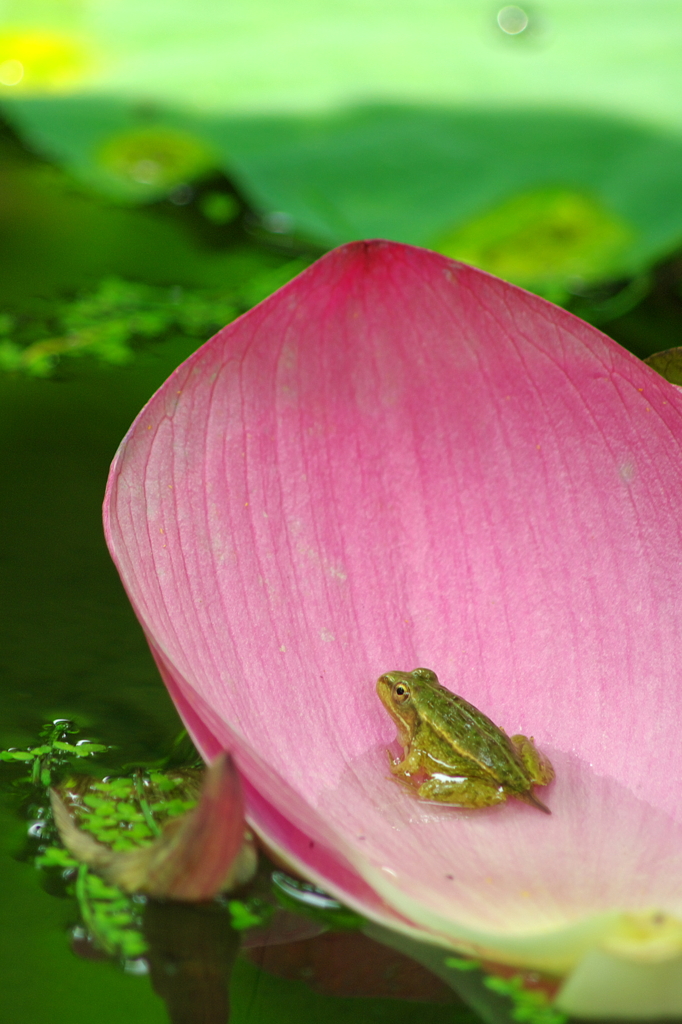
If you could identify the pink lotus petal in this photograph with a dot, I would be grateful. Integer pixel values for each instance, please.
(397, 461)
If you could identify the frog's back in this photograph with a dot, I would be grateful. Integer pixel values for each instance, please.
(473, 735)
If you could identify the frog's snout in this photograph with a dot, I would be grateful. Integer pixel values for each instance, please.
(397, 683)
(389, 678)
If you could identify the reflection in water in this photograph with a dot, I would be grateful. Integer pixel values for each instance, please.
(191, 952)
(192, 949)
(346, 964)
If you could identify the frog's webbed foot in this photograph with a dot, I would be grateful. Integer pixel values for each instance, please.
(537, 765)
(463, 792)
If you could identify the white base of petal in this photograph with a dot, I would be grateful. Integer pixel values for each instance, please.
(606, 985)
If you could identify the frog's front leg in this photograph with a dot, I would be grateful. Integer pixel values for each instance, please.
(410, 763)
(537, 765)
(462, 792)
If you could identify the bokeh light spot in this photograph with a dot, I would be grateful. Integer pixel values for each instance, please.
(512, 20)
(278, 222)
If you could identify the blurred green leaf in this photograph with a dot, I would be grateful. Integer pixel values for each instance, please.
(528, 1006)
(542, 239)
(546, 198)
(538, 196)
(55, 857)
(668, 363)
(457, 151)
(243, 916)
(459, 963)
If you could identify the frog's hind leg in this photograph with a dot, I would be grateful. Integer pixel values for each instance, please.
(462, 792)
(537, 765)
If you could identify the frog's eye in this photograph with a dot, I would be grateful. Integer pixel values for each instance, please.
(401, 693)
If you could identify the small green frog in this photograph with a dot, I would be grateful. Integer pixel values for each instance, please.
(453, 753)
